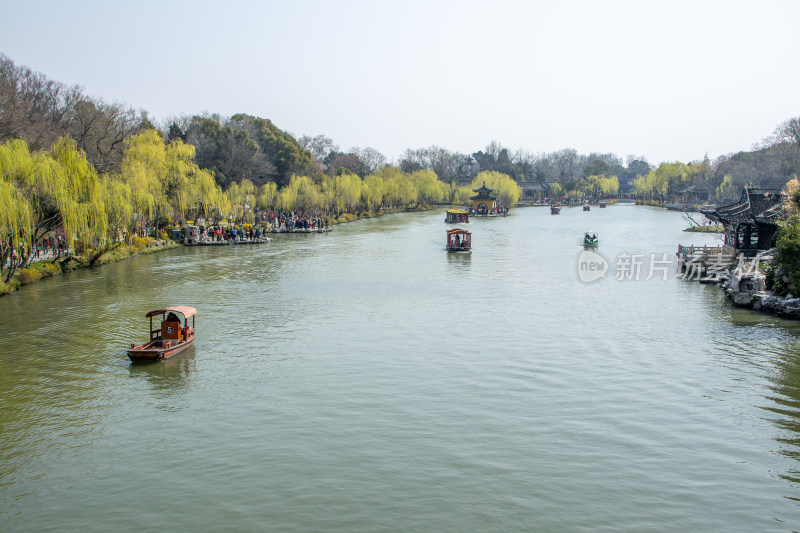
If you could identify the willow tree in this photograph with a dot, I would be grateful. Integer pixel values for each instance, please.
(727, 191)
(83, 214)
(609, 185)
(460, 195)
(658, 182)
(398, 188)
(179, 176)
(406, 190)
(343, 192)
(203, 195)
(144, 168)
(61, 190)
(242, 200)
(267, 196)
(301, 193)
(16, 221)
(600, 184)
(429, 188)
(509, 190)
(372, 192)
(119, 207)
(164, 178)
(190, 188)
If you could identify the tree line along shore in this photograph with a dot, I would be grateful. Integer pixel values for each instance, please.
(58, 195)
(99, 175)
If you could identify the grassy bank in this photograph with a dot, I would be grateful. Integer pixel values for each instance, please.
(714, 228)
(48, 269)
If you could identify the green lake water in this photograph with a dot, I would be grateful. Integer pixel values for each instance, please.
(366, 380)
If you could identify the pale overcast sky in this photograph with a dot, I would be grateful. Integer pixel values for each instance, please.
(669, 80)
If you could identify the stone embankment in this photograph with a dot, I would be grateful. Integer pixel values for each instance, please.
(742, 280)
(785, 307)
(746, 288)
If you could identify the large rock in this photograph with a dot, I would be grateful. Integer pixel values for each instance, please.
(743, 299)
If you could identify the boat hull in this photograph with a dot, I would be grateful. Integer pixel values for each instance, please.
(157, 350)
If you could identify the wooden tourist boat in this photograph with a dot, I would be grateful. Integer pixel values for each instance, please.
(555, 209)
(586, 207)
(602, 205)
(169, 338)
(591, 240)
(459, 240)
(454, 216)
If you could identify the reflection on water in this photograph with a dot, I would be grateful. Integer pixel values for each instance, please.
(459, 261)
(335, 386)
(784, 404)
(168, 374)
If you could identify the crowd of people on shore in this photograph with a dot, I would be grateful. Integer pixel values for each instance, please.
(266, 222)
(53, 245)
(217, 233)
(48, 247)
(290, 220)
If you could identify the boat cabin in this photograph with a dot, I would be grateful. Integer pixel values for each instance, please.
(170, 326)
(459, 240)
(590, 239)
(455, 216)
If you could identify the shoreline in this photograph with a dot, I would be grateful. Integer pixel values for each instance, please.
(50, 268)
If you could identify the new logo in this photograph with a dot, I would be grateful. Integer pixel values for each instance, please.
(591, 266)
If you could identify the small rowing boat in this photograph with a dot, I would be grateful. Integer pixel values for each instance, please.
(170, 338)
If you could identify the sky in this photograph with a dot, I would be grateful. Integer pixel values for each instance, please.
(664, 80)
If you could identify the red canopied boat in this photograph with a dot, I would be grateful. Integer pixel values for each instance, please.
(459, 240)
(170, 338)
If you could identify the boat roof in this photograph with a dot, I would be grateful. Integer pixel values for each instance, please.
(184, 310)
(457, 230)
(458, 211)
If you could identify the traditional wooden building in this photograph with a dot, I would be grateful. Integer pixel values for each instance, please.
(484, 203)
(695, 193)
(532, 190)
(751, 223)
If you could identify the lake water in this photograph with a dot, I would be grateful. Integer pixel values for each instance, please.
(366, 380)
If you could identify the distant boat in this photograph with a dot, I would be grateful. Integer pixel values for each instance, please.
(170, 338)
(586, 207)
(459, 240)
(555, 209)
(602, 205)
(455, 216)
(591, 240)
